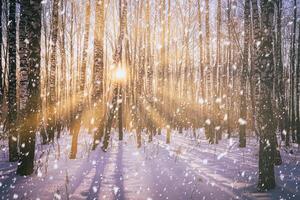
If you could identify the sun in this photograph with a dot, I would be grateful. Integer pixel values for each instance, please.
(120, 74)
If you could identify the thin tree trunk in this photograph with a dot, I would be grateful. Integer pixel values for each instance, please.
(209, 122)
(1, 68)
(148, 58)
(201, 57)
(120, 91)
(243, 104)
(52, 99)
(162, 49)
(63, 81)
(217, 75)
(283, 112)
(72, 73)
(298, 92)
(12, 84)
(292, 80)
(256, 41)
(228, 74)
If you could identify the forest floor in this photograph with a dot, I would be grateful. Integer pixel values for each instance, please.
(188, 168)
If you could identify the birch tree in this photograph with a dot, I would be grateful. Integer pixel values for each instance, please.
(12, 84)
(31, 17)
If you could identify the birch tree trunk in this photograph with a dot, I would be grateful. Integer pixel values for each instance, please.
(201, 58)
(217, 75)
(12, 84)
(52, 93)
(292, 80)
(116, 59)
(31, 14)
(63, 81)
(228, 71)
(243, 101)
(209, 121)
(283, 112)
(78, 121)
(1, 68)
(98, 71)
(264, 67)
(298, 92)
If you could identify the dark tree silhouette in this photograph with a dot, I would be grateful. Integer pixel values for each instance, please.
(243, 104)
(12, 84)
(1, 68)
(266, 123)
(31, 18)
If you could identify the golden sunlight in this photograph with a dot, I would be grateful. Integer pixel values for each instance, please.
(119, 74)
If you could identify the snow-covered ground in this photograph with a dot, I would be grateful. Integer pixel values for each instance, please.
(188, 168)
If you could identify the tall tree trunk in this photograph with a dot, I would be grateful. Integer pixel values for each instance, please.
(252, 82)
(78, 121)
(72, 73)
(63, 81)
(228, 71)
(201, 59)
(209, 122)
(52, 92)
(1, 68)
(139, 78)
(12, 84)
(243, 103)
(163, 48)
(256, 41)
(149, 68)
(217, 75)
(168, 71)
(46, 38)
(116, 59)
(298, 91)
(264, 67)
(292, 80)
(98, 70)
(148, 57)
(24, 66)
(120, 91)
(31, 17)
(283, 112)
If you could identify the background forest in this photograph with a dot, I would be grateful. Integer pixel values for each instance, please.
(158, 71)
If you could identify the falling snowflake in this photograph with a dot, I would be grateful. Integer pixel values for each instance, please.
(208, 122)
(242, 122)
(116, 189)
(95, 189)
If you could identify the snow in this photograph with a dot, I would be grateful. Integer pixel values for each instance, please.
(188, 168)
